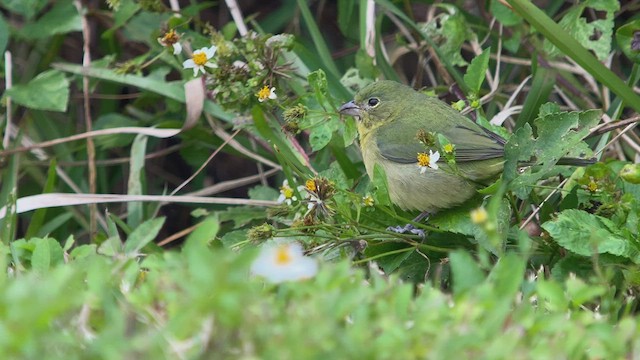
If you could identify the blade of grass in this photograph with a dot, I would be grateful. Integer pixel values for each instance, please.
(318, 39)
(39, 215)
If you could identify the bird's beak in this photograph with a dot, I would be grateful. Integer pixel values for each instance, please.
(350, 108)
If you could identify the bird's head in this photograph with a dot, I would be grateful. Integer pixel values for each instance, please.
(376, 103)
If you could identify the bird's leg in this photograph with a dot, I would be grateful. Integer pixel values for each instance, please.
(409, 228)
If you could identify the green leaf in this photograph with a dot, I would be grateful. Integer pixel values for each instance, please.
(47, 91)
(142, 235)
(587, 234)
(466, 272)
(262, 192)
(26, 8)
(39, 215)
(61, 19)
(451, 29)
(47, 252)
(206, 231)
(559, 135)
(505, 15)
(476, 71)
(4, 34)
(595, 35)
(628, 40)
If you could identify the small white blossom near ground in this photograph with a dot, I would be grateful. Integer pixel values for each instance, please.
(284, 262)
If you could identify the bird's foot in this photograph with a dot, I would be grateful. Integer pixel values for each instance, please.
(407, 229)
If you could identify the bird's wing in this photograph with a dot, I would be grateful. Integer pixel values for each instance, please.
(472, 142)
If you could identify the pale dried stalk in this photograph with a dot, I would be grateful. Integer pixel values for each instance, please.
(91, 150)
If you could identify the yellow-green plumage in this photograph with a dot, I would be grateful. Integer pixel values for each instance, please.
(389, 117)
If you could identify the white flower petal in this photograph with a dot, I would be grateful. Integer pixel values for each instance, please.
(423, 169)
(272, 94)
(188, 64)
(210, 52)
(210, 65)
(177, 49)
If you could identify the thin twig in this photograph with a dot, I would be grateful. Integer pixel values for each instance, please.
(8, 83)
(236, 14)
(91, 150)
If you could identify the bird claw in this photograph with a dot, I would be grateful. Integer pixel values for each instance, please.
(407, 229)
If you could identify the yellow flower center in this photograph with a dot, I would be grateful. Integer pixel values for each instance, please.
(283, 256)
(423, 159)
(367, 200)
(593, 187)
(448, 148)
(311, 185)
(200, 58)
(264, 93)
(287, 192)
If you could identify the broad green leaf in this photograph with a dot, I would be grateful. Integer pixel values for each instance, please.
(505, 15)
(142, 235)
(47, 252)
(113, 120)
(241, 215)
(587, 234)
(466, 272)
(61, 19)
(595, 34)
(47, 91)
(262, 192)
(205, 231)
(476, 71)
(628, 38)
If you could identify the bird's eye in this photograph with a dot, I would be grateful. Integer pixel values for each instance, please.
(373, 102)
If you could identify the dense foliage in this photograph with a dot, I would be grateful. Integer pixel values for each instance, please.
(154, 152)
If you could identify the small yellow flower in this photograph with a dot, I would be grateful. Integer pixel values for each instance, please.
(592, 186)
(367, 200)
(448, 148)
(200, 59)
(311, 185)
(286, 194)
(284, 262)
(428, 161)
(171, 39)
(479, 215)
(266, 93)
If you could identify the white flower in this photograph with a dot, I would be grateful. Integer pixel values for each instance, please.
(286, 194)
(428, 161)
(284, 262)
(266, 93)
(200, 59)
(171, 38)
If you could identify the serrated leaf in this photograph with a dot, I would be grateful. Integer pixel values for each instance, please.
(450, 30)
(587, 234)
(47, 91)
(559, 135)
(476, 71)
(595, 34)
(142, 235)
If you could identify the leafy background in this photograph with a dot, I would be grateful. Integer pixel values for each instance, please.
(135, 196)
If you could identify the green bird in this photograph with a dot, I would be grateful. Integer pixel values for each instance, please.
(389, 117)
